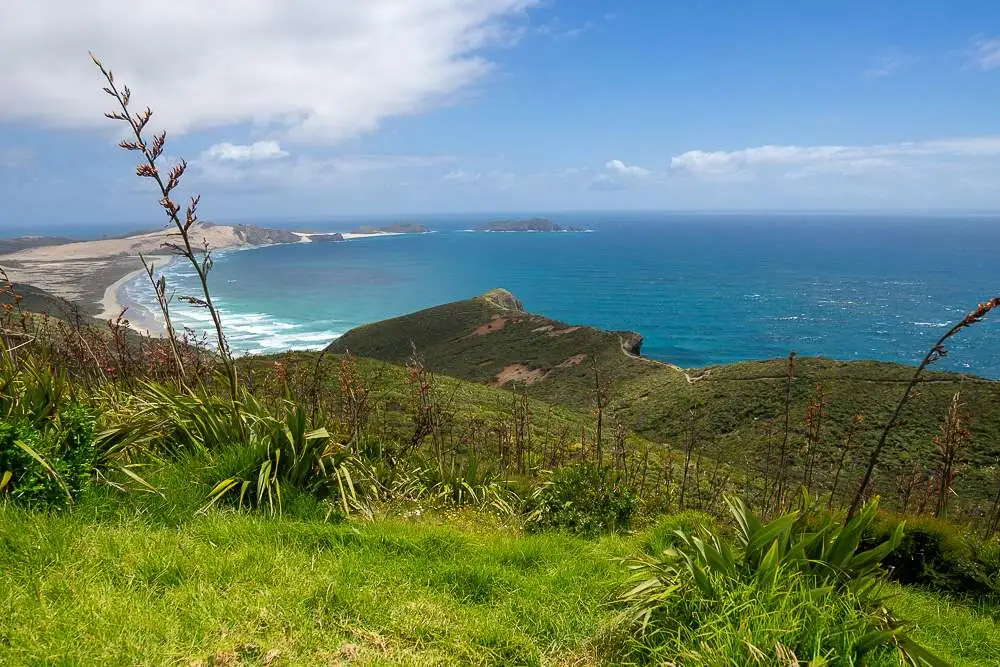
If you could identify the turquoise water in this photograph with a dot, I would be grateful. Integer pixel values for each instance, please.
(701, 289)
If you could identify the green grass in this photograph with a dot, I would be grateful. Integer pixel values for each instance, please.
(130, 592)
(965, 633)
(126, 585)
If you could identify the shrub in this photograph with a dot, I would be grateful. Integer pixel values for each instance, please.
(582, 499)
(50, 467)
(939, 555)
(800, 587)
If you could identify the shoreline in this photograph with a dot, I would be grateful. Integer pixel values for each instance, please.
(114, 300)
(94, 273)
(146, 321)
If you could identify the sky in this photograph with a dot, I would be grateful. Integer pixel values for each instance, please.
(294, 109)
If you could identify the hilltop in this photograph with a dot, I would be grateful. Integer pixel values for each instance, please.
(491, 339)
(19, 243)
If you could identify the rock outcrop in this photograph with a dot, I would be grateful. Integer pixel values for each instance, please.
(631, 343)
(504, 299)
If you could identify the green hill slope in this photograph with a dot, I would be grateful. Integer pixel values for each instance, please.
(37, 300)
(735, 411)
(493, 340)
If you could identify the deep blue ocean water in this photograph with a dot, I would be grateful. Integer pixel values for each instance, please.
(702, 289)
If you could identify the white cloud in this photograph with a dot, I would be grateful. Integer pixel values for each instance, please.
(618, 176)
(844, 160)
(890, 63)
(462, 177)
(558, 30)
(985, 53)
(303, 70)
(627, 170)
(260, 150)
(13, 158)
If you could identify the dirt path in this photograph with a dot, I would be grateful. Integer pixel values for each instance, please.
(691, 379)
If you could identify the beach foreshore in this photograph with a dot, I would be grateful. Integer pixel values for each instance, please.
(115, 300)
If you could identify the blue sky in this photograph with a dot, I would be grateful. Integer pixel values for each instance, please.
(391, 107)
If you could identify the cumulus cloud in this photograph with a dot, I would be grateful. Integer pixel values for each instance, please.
(618, 176)
(627, 170)
(844, 160)
(985, 53)
(260, 150)
(303, 70)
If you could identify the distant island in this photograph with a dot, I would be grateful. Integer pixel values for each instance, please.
(532, 225)
(395, 228)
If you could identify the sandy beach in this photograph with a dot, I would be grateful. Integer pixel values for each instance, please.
(114, 300)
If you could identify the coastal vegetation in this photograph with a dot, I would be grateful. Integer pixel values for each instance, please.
(474, 484)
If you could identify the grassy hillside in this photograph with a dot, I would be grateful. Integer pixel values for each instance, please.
(492, 340)
(36, 300)
(163, 503)
(355, 511)
(736, 411)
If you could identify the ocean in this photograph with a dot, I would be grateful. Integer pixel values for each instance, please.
(702, 289)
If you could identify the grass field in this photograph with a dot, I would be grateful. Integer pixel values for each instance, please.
(111, 587)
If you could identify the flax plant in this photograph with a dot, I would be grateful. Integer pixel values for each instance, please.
(937, 351)
(151, 151)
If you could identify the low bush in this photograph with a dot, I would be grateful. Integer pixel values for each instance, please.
(940, 555)
(582, 499)
(49, 466)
